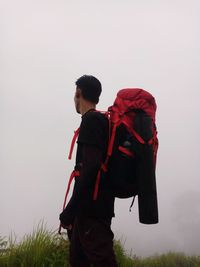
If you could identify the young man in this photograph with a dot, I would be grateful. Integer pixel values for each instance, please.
(88, 221)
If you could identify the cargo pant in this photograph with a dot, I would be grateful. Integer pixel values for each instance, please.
(91, 243)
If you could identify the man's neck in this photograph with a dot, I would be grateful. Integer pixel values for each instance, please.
(86, 108)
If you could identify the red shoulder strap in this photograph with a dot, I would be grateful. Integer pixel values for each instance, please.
(103, 167)
(76, 133)
(73, 174)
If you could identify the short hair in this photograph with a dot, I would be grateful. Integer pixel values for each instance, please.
(90, 88)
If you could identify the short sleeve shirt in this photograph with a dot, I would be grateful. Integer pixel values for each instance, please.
(94, 131)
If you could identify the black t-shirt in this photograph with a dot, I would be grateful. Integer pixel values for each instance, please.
(94, 131)
(91, 152)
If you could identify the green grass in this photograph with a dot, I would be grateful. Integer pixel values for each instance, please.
(41, 248)
(44, 248)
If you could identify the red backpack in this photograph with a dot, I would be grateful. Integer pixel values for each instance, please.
(131, 157)
(132, 151)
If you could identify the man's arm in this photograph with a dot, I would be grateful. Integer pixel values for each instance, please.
(92, 158)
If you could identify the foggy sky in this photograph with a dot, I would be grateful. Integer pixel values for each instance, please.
(45, 46)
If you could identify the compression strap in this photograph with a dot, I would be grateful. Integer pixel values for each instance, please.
(126, 151)
(133, 132)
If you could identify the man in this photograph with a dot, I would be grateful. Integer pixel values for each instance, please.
(88, 221)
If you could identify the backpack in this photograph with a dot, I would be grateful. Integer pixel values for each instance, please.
(130, 163)
(131, 158)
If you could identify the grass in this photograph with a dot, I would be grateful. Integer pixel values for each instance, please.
(44, 248)
(41, 248)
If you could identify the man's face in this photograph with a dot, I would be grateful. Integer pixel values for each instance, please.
(77, 100)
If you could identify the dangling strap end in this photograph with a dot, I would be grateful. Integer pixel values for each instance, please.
(132, 204)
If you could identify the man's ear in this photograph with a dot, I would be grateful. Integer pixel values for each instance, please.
(78, 93)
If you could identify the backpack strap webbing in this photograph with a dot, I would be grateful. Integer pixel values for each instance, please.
(133, 132)
(132, 204)
(96, 188)
(76, 133)
(109, 153)
(73, 174)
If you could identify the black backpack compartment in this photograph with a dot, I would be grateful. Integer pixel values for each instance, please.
(121, 167)
(130, 176)
(145, 171)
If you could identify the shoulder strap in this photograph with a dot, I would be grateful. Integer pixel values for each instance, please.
(76, 133)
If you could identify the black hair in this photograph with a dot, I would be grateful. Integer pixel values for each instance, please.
(90, 88)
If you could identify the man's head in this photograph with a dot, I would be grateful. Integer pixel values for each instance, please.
(88, 90)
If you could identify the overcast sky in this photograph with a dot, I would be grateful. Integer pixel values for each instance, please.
(45, 46)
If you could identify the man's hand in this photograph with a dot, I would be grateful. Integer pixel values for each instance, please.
(66, 218)
(68, 227)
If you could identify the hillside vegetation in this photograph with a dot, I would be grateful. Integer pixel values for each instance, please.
(44, 248)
